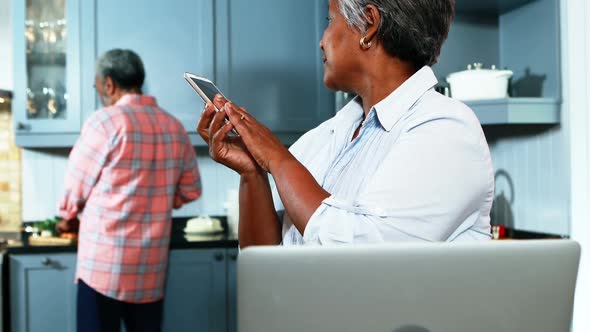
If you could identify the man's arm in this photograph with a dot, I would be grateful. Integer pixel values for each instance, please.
(189, 183)
(85, 165)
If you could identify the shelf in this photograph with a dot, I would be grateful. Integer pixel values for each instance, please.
(46, 59)
(67, 140)
(488, 7)
(516, 111)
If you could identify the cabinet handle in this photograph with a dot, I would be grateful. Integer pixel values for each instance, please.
(218, 256)
(23, 126)
(47, 262)
(233, 256)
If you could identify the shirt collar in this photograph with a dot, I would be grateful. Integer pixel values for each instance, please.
(136, 99)
(391, 108)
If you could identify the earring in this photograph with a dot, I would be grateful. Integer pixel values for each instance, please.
(364, 45)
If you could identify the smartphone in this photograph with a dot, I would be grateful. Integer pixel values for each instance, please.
(206, 89)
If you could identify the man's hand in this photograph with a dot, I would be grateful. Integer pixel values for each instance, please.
(67, 226)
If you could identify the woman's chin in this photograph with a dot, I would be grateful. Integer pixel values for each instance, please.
(329, 83)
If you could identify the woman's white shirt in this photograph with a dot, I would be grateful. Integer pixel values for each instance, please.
(419, 170)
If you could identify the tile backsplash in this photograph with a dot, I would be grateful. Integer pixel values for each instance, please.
(10, 173)
(43, 173)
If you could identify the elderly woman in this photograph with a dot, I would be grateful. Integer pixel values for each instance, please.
(400, 162)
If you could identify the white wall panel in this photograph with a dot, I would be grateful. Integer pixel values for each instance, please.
(535, 160)
(43, 175)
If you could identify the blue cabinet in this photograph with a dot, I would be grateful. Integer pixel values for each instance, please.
(195, 297)
(200, 291)
(232, 288)
(268, 60)
(43, 293)
(272, 67)
(47, 70)
(171, 37)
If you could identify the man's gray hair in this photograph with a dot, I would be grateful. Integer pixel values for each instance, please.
(124, 67)
(412, 30)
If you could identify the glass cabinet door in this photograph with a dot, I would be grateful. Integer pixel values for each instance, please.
(47, 66)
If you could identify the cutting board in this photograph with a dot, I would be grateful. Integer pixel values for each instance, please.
(49, 241)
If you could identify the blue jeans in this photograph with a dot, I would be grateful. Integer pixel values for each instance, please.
(98, 313)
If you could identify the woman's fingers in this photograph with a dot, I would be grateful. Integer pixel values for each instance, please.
(217, 123)
(239, 118)
(205, 121)
(221, 133)
(219, 101)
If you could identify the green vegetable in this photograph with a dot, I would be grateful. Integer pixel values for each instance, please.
(48, 225)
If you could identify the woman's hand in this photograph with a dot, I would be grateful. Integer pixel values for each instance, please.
(263, 146)
(227, 150)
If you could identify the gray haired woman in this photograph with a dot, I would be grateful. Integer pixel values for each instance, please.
(400, 162)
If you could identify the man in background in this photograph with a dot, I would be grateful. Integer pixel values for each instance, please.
(132, 164)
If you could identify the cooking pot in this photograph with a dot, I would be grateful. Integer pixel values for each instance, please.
(477, 83)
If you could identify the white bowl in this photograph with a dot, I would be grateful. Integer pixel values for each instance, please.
(203, 225)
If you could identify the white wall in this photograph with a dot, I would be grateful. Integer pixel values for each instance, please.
(576, 97)
(43, 175)
(6, 72)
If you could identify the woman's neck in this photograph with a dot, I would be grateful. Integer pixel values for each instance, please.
(382, 78)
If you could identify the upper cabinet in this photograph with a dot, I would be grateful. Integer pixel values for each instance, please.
(487, 7)
(263, 54)
(268, 60)
(171, 37)
(520, 35)
(271, 66)
(47, 68)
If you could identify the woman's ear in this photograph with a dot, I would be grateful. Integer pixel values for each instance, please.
(373, 20)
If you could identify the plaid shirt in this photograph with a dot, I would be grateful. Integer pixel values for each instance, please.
(131, 165)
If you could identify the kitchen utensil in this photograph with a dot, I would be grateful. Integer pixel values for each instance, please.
(478, 83)
(50, 241)
(203, 225)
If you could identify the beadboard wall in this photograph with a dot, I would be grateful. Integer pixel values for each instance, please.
(43, 174)
(535, 161)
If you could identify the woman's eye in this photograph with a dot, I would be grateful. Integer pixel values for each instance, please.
(329, 20)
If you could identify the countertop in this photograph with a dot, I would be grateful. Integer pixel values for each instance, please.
(178, 240)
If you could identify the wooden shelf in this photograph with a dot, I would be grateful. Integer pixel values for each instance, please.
(488, 7)
(516, 111)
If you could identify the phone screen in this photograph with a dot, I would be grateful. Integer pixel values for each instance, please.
(208, 88)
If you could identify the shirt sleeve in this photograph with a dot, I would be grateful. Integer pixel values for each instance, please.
(431, 187)
(189, 183)
(85, 164)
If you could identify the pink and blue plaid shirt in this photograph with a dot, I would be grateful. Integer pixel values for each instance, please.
(132, 164)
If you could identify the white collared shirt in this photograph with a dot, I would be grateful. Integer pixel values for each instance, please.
(419, 170)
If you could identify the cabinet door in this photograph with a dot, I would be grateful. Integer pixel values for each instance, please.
(232, 274)
(268, 60)
(47, 66)
(195, 298)
(43, 293)
(171, 37)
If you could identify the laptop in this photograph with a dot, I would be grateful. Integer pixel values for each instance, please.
(493, 286)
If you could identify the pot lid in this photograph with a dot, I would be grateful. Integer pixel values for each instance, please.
(476, 70)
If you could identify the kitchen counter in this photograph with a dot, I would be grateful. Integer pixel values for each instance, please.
(178, 240)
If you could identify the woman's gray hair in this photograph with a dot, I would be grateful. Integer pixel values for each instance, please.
(124, 67)
(412, 30)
